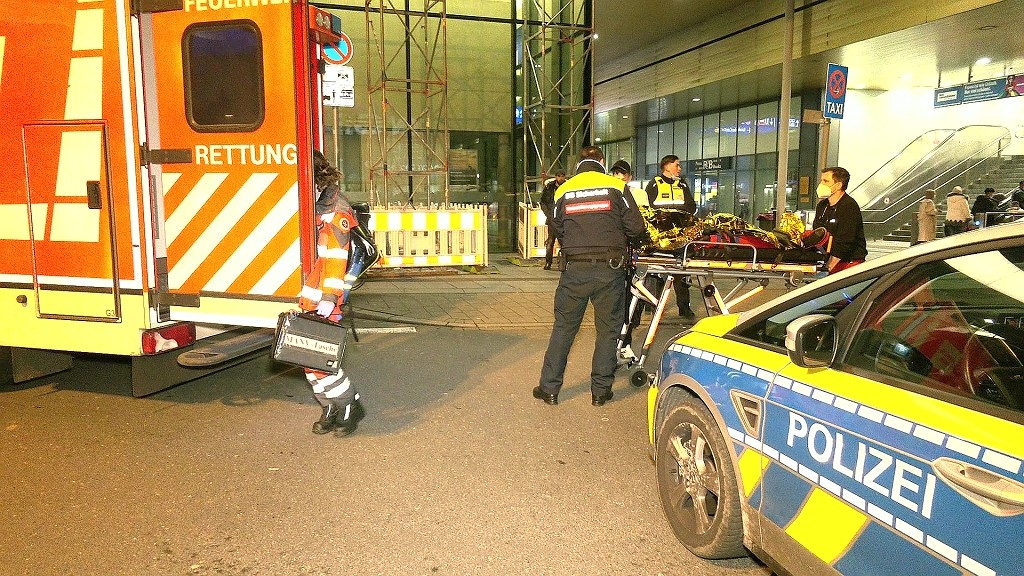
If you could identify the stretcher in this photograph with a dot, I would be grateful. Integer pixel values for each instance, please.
(705, 264)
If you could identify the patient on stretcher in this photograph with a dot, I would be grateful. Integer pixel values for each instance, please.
(728, 237)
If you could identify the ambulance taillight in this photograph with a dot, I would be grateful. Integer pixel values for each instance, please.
(157, 340)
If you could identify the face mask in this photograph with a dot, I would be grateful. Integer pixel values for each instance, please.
(824, 191)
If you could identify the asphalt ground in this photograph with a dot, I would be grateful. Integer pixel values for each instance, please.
(456, 469)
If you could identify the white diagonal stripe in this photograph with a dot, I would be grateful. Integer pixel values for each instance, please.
(85, 89)
(168, 179)
(88, 30)
(78, 163)
(257, 240)
(3, 42)
(191, 205)
(285, 267)
(75, 223)
(14, 221)
(239, 204)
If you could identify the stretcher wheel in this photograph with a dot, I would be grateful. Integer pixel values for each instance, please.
(709, 291)
(641, 378)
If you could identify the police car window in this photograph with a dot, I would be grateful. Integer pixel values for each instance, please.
(955, 325)
(772, 330)
(223, 69)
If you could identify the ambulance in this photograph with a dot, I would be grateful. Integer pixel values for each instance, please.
(155, 178)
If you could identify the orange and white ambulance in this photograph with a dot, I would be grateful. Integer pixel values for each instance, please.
(155, 178)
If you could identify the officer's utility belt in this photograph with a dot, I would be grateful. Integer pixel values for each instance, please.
(613, 259)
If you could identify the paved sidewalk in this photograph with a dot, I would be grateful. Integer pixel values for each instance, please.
(502, 295)
(509, 293)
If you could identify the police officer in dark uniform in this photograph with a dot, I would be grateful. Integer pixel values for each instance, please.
(595, 218)
(669, 190)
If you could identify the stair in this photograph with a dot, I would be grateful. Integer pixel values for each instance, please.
(1003, 179)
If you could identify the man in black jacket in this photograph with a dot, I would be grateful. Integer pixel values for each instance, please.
(840, 214)
(547, 204)
(595, 218)
(982, 205)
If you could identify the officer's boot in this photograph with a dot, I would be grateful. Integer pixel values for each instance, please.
(328, 419)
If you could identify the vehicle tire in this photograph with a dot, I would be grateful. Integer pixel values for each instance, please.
(698, 484)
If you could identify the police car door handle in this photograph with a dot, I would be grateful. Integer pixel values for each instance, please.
(1000, 495)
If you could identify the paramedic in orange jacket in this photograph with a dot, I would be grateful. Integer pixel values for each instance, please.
(324, 292)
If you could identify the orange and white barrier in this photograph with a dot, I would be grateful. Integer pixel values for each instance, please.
(420, 237)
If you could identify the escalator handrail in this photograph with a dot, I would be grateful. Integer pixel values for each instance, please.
(926, 158)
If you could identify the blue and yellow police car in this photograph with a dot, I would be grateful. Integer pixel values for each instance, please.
(871, 422)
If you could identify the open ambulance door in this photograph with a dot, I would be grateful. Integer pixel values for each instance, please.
(228, 101)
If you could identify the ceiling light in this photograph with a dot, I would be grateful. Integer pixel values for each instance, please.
(906, 77)
(625, 117)
(598, 139)
(595, 36)
(695, 100)
(983, 60)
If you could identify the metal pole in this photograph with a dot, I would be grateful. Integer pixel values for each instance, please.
(823, 154)
(787, 90)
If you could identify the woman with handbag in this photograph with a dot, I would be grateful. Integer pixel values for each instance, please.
(958, 212)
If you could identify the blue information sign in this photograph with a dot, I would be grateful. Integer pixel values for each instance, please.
(950, 96)
(983, 90)
(835, 91)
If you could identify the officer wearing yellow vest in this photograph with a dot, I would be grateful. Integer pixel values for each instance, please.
(595, 219)
(668, 190)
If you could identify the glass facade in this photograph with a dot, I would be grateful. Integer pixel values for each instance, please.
(480, 38)
(731, 156)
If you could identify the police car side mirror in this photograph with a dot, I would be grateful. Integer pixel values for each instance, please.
(812, 340)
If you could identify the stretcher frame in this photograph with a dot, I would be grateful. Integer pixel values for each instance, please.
(673, 267)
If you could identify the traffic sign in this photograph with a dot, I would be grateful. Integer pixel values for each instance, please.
(338, 53)
(835, 91)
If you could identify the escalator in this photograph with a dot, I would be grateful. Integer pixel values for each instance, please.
(937, 159)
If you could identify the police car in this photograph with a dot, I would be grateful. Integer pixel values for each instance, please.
(871, 422)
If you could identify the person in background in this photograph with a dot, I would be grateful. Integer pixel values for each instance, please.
(595, 219)
(1017, 194)
(958, 213)
(547, 204)
(324, 292)
(927, 217)
(622, 171)
(839, 213)
(669, 190)
(982, 205)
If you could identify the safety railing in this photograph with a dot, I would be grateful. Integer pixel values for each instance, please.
(420, 237)
(892, 200)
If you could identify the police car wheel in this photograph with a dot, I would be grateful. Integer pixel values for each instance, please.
(697, 483)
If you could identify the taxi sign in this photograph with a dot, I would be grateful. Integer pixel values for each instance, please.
(835, 91)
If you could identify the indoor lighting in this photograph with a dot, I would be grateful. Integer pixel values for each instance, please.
(695, 100)
(983, 61)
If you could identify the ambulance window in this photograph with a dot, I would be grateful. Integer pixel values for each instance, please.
(954, 325)
(223, 68)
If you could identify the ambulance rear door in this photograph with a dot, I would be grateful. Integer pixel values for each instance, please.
(225, 153)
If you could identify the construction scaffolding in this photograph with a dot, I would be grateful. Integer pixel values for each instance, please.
(557, 92)
(408, 112)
